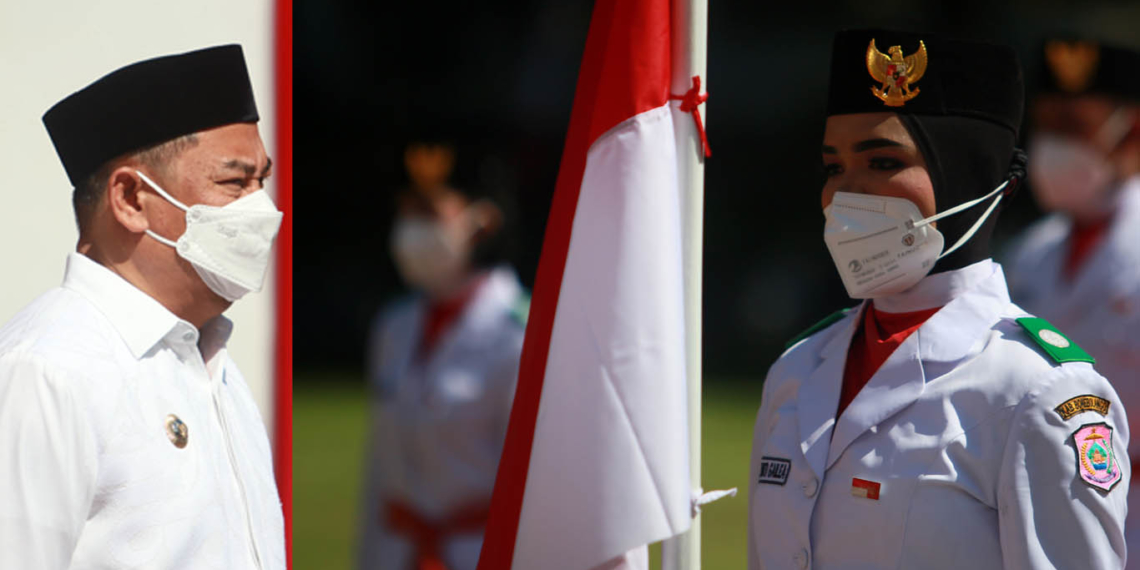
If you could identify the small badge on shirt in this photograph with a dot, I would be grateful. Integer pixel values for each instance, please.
(865, 489)
(774, 471)
(1085, 403)
(1096, 462)
(177, 431)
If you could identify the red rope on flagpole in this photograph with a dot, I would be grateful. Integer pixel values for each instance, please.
(690, 103)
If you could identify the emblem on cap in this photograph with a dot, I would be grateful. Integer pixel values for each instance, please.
(1072, 64)
(896, 73)
(177, 431)
(1096, 462)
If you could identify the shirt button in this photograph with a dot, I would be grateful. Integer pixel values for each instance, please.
(810, 487)
(801, 559)
(188, 336)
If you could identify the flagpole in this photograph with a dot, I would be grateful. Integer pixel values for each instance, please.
(690, 36)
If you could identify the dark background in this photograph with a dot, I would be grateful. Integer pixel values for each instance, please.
(498, 79)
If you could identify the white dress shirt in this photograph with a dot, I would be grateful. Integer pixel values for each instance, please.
(90, 476)
(956, 434)
(438, 423)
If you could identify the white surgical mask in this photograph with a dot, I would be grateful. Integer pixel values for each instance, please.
(432, 256)
(228, 246)
(881, 245)
(1072, 176)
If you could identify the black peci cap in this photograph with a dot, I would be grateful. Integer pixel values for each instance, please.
(1074, 66)
(874, 71)
(148, 103)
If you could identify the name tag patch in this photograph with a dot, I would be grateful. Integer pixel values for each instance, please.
(865, 489)
(1085, 403)
(774, 471)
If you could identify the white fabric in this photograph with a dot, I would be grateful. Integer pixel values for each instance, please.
(976, 468)
(1100, 309)
(438, 425)
(88, 373)
(609, 464)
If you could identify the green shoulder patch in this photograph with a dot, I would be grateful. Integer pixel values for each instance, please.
(521, 309)
(826, 322)
(1056, 344)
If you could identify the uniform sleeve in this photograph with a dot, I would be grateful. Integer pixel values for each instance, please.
(1054, 512)
(48, 465)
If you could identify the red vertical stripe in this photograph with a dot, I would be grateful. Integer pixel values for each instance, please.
(283, 175)
(625, 71)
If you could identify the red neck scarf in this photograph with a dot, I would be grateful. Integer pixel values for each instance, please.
(1082, 243)
(441, 315)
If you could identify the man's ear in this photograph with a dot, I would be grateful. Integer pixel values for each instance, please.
(127, 200)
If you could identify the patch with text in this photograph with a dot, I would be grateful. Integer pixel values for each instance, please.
(774, 471)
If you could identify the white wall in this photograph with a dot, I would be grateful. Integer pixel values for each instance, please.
(48, 50)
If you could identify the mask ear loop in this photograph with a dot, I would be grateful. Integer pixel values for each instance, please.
(168, 198)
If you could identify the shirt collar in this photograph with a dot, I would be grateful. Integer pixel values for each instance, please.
(937, 290)
(140, 319)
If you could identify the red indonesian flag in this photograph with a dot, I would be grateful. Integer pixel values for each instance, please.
(596, 456)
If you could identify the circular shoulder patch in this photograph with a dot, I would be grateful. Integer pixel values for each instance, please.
(1053, 338)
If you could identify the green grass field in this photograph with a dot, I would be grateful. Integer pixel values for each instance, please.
(330, 422)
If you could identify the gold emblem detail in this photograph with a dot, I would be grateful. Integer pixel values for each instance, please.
(896, 73)
(1072, 64)
(177, 431)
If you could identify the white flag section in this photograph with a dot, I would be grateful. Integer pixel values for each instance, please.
(609, 466)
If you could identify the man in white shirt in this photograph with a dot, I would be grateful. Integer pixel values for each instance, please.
(128, 437)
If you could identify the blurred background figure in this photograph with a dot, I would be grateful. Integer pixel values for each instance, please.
(1079, 267)
(442, 366)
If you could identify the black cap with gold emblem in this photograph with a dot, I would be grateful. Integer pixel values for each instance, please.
(923, 74)
(1074, 66)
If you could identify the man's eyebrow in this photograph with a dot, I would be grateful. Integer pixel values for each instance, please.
(870, 144)
(248, 168)
(829, 150)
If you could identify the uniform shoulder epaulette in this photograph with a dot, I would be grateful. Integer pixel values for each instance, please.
(826, 322)
(1056, 345)
(520, 310)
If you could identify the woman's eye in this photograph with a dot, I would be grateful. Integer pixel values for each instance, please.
(885, 164)
(830, 170)
(233, 182)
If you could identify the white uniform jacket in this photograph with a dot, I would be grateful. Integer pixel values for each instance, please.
(91, 376)
(952, 455)
(438, 424)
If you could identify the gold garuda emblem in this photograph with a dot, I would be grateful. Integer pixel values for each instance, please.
(896, 73)
(1072, 64)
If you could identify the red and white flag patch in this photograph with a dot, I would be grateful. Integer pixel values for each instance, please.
(865, 489)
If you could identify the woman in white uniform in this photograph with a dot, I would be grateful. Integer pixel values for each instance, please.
(442, 371)
(936, 424)
(1080, 266)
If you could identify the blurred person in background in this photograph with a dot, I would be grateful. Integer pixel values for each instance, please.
(936, 425)
(442, 368)
(1079, 267)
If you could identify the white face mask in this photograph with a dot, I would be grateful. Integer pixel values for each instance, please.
(1072, 176)
(228, 246)
(430, 255)
(881, 245)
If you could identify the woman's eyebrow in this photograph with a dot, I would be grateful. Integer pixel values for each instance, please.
(870, 144)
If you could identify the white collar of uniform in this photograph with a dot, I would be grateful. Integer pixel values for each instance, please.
(937, 290)
(140, 319)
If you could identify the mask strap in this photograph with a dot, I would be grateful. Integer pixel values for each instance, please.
(1115, 128)
(162, 192)
(965, 206)
(168, 198)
